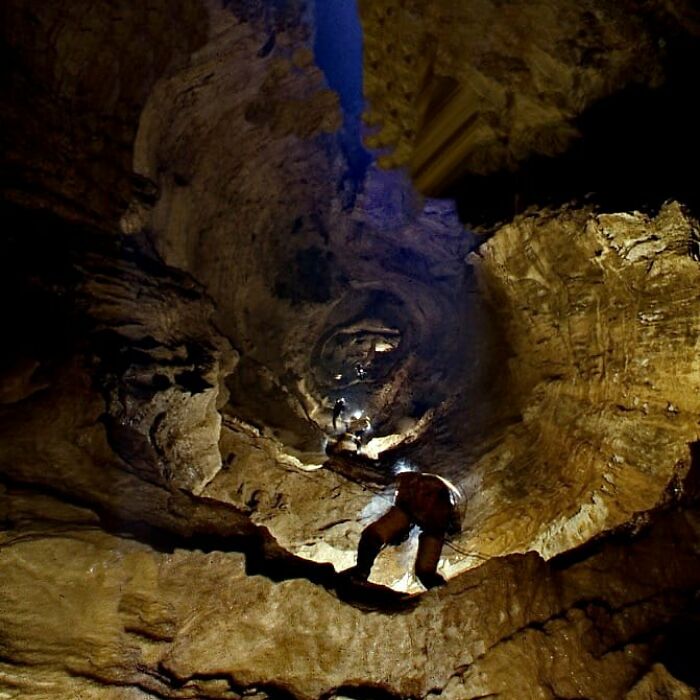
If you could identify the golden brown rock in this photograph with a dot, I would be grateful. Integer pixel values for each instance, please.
(659, 683)
(598, 313)
(457, 87)
(166, 531)
(190, 624)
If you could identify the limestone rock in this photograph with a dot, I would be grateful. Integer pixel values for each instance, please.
(191, 624)
(598, 313)
(478, 87)
(166, 528)
(279, 270)
(660, 683)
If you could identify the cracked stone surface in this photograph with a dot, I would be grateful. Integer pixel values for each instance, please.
(585, 303)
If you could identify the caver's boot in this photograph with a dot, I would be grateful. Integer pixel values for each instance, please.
(431, 580)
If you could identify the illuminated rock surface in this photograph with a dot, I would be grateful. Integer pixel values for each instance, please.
(502, 83)
(189, 278)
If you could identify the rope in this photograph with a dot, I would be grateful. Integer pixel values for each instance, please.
(464, 552)
(380, 493)
(454, 547)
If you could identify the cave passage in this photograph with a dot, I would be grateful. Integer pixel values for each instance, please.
(199, 261)
(338, 49)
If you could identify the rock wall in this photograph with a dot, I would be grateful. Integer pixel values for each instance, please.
(74, 82)
(98, 616)
(166, 528)
(598, 311)
(192, 595)
(480, 87)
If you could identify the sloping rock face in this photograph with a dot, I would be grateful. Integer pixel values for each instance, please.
(505, 81)
(303, 264)
(183, 306)
(134, 385)
(606, 389)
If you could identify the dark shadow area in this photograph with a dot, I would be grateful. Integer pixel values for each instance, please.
(36, 287)
(679, 652)
(638, 148)
(362, 692)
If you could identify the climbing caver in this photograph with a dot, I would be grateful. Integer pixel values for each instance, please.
(338, 410)
(358, 428)
(426, 500)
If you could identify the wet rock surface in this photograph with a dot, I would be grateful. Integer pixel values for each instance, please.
(183, 308)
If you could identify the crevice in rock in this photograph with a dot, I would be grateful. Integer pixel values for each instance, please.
(264, 556)
(105, 682)
(269, 691)
(360, 691)
(653, 637)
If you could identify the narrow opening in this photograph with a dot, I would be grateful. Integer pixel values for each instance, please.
(338, 50)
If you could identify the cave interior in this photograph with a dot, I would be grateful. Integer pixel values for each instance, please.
(475, 222)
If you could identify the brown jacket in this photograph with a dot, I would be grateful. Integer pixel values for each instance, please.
(428, 501)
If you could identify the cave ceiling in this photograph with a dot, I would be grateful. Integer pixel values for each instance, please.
(525, 103)
(197, 253)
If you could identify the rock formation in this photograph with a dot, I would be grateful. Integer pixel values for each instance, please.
(503, 83)
(190, 276)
